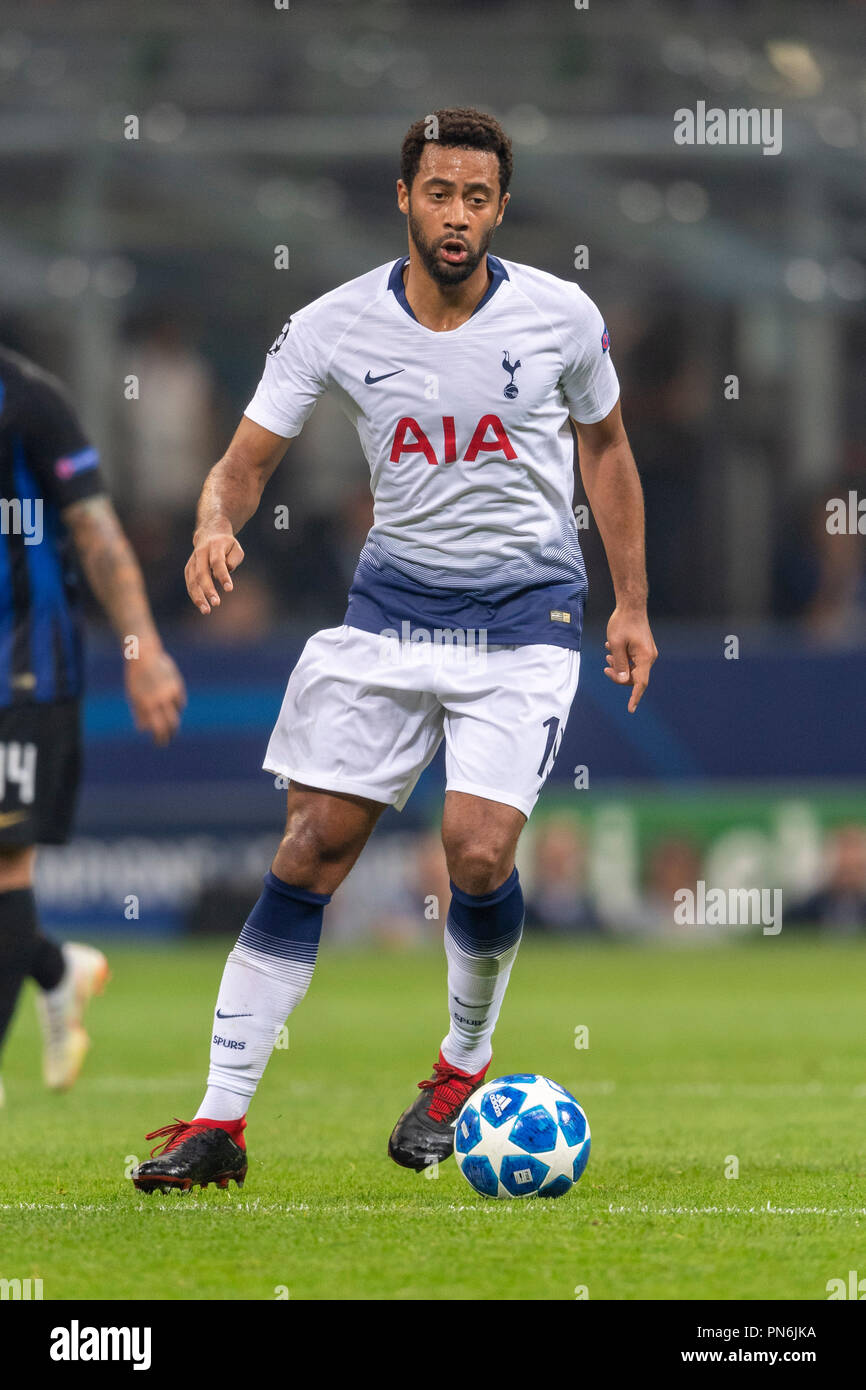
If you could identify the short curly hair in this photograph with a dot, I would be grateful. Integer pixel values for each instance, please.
(457, 127)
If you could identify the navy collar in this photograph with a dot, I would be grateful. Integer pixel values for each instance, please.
(395, 283)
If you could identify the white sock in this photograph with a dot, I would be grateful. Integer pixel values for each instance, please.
(252, 1007)
(476, 988)
(266, 976)
(222, 1105)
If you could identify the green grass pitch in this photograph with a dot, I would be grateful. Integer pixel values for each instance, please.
(697, 1057)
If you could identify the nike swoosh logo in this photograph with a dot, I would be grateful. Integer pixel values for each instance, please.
(12, 817)
(219, 1015)
(371, 380)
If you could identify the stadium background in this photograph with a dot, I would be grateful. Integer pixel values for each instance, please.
(155, 257)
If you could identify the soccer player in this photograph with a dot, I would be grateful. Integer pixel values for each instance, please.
(459, 371)
(53, 501)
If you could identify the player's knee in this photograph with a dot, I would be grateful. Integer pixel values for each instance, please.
(315, 852)
(309, 843)
(478, 866)
(16, 867)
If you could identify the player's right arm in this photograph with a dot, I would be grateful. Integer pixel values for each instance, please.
(230, 496)
(293, 379)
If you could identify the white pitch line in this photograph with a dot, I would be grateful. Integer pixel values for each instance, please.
(645, 1209)
(181, 1203)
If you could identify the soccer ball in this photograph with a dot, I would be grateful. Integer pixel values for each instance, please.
(521, 1136)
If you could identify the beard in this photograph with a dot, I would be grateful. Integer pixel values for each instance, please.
(440, 271)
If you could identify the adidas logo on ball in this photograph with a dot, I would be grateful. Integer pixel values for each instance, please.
(499, 1103)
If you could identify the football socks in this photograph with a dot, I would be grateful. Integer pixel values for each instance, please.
(266, 976)
(482, 936)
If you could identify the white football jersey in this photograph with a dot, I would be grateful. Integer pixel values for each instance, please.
(467, 437)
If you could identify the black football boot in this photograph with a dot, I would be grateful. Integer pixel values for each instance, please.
(194, 1153)
(424, 1134)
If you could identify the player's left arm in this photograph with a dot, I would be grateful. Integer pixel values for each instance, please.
(613, 490)
(154, 686)
(67, 468)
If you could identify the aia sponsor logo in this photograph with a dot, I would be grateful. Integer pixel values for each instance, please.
(489, 437)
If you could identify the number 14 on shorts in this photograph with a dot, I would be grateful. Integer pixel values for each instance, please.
(18, 768)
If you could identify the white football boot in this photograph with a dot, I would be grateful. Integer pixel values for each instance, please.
(61, 1013)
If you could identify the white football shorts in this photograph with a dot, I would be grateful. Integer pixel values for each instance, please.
(364, 714)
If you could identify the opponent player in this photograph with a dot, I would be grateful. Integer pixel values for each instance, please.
(51, 493)
(460, 372)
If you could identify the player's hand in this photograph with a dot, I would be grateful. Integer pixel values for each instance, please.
(631, 652)
(216, 553)
(156, 693)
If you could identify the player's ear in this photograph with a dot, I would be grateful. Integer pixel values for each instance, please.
(402, 196)
(503, 204)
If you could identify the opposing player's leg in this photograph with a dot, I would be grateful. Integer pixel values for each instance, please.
(42, 744)
(505, 714)
(68, 976)
(482, 934)
(17, 928)
(266, 976)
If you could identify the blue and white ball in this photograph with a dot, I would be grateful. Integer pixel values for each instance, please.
(521, 1136)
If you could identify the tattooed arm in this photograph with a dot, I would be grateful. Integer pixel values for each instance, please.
(154, 686)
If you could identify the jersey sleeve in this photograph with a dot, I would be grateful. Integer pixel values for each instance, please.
(292, 382)
(589, 382)
(59, 453)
